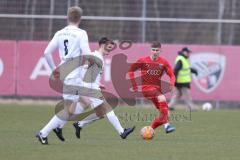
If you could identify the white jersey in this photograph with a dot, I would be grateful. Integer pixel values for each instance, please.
(71, 42)
(96, 84)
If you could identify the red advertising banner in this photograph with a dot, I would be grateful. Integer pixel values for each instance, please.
(7, 67)
(218, 77)
(33, 70)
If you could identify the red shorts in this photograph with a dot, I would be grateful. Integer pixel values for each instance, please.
(151, 91)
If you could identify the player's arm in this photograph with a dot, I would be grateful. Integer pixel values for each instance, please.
(84, 44)
(52, 45)
(135, 66)
(177, 68)
(170, 73)
(194, 71)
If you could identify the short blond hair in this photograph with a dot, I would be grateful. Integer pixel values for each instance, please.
(74, 14)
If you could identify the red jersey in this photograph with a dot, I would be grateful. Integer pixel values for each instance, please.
(151, 71)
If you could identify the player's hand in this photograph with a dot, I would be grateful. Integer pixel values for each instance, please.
(134, 89)
(90, 63)
(56, 74)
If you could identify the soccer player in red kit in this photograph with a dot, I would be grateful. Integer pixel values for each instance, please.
(152, 69)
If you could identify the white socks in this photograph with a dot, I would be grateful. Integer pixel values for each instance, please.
(57, 122)
(89, 119)
(52, 124)
(166, 125)
(111, 117)
(115, 122)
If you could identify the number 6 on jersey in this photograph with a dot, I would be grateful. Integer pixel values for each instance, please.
(66, 45)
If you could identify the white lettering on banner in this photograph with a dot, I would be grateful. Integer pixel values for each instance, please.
(42, 69)
(1, 67)
(107, 70)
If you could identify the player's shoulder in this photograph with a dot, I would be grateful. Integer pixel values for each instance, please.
(59, 32)
(82, 31)
(143, 59)
(97, 54)
(162, 59)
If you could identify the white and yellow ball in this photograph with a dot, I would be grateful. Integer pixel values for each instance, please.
(147, 133)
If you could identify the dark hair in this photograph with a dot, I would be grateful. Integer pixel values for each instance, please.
(74, 14)
(156, 44)
(104, 40)
(185, 49)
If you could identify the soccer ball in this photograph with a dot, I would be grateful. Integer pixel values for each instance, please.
(207, 106)
(147, 133)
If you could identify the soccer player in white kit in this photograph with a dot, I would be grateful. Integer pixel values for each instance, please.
(100, 106)
(72, 42)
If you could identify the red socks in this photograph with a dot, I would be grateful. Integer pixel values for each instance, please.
(163, 118)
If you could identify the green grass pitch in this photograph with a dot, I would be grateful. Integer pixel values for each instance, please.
(213, 135)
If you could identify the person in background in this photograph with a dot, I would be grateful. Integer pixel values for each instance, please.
(182, 71)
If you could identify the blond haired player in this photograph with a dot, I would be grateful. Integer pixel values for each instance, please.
(72, 42)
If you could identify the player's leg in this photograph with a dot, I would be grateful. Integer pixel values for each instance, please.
(88, 117)
(55, 124)
(52, 124)
(161, 105)
(188, 99)
(62, 116)
(113, 119)
(98, 113)
(86, 121)
(101, 109)
(66, 114)
(175, 98)
(93, 117)
(163, 119)
(154, 94)
(71, 105)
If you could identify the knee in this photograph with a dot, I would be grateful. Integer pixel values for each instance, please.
(69, 107)
(100, 115)
(161, 98)
(100, 112)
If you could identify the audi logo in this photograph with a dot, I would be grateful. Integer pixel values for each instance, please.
(154, 72)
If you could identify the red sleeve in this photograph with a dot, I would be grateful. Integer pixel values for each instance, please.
(135, 66)
(170, 72)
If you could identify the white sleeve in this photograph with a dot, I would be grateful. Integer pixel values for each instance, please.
(50, 50)
(84, 45)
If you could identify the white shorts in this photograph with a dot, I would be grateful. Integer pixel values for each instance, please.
(95, 102)
(71, 93)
